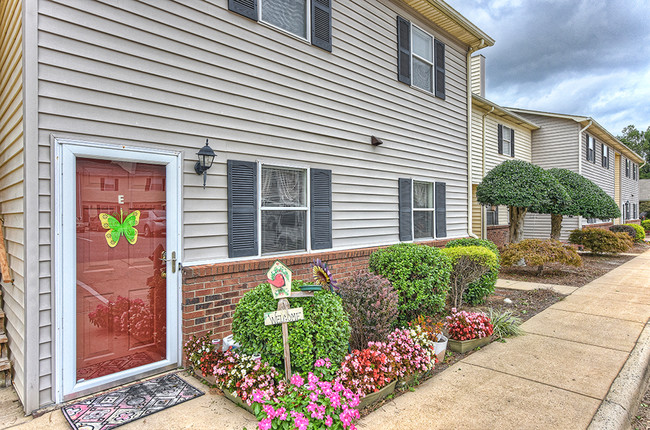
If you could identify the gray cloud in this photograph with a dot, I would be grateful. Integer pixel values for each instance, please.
(578, 57)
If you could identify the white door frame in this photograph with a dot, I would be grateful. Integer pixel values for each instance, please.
(67, 151)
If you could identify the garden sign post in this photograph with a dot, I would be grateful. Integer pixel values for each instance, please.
(279, 277)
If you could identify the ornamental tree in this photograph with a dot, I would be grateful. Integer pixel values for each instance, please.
(520, 186)
(585, 199)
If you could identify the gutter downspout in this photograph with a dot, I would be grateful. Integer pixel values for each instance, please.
(483, 224)
(580, 159)
(468, 61)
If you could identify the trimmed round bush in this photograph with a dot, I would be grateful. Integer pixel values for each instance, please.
(371, 303)
(601, 241)
(646, 224)
(419, 273)
(469, 265)
(479, 290)
(639, 232)
(537, 252)
(324, 332)
(623, 228)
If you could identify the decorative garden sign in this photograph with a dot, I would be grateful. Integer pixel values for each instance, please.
(283, 316)
(279, 276)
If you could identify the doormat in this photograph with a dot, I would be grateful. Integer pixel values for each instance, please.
(121, 406)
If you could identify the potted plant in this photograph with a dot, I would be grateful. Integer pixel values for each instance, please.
(428, 332)
(468, 330)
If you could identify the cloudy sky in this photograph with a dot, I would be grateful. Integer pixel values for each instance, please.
(582, 57)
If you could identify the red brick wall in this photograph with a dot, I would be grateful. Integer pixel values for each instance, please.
(603, 225)
(499, 234)
(211, 292)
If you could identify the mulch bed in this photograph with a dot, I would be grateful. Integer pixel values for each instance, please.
(594, 266)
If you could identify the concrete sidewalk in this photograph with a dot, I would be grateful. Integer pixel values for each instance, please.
(554, 377)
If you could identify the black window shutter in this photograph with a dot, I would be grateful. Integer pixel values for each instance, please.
(500, 138)
(321, 208)
(441, 209)
(242, 208)
(403, 50)
(602, 155)
(321, 24)
(247, 8)
(439, 55)
(405, 209)
(512, 142)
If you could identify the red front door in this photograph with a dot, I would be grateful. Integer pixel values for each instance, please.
(121, 279)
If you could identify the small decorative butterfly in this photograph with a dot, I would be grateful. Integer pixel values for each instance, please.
(124, 227)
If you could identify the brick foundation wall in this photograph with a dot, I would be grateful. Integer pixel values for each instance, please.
(633, 221)
(499, 234)
(211, 292)
(603, 225)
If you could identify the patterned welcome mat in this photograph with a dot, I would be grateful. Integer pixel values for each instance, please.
(115, 408)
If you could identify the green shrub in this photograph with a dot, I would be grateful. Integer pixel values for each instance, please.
(639, 232)
(324, 332)
(623, 228)
(479, 290)
(469, 264)
(601, 241)
(646, 224)
(537, 252)
(419, 273)
(504, 323)
(371, 303)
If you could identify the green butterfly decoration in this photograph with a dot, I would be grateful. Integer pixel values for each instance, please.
(125, 227)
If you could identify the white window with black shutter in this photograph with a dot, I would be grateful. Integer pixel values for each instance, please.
(605, 156)
(590, 148)
(420, 58)
(627, 168)
(422, 209)
(277, 209)
(506, 140)
(310, 20)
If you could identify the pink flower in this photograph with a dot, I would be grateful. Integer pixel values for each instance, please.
(265, 424)
(297, 380)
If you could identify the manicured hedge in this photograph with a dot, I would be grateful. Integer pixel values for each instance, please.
(621, 228)
(419, 273)
(468, 262)
(600, 241)
(537, 252)
(324, 332)
(480, 289)
(640, 232)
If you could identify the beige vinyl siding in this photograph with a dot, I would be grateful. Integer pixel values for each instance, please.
(538, 226)
(11, 181)
(523, 150)
(629, 187)
(169, 74)
(555, 143)
(595, 172)
(478, 75)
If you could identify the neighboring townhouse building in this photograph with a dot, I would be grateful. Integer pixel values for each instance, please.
(498, 135)
(580, 144)
(336, 131)
(644, 197)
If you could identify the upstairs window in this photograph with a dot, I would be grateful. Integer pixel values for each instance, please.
(506, 140)
(605, 156)
(308, 19)
(627, 168)
(591, 149)
(420, 58)
(634, 171)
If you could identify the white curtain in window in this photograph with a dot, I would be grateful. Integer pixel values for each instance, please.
(283, 187)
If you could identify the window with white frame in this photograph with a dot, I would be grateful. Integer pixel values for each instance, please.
(627, 168)
(422, 59)
(605, 156)
(288, 15)
(507, 141)
(423, 210)
(591, 149)
(492, 215)
(283, 218)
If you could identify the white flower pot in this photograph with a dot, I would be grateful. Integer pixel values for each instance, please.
(440, 347)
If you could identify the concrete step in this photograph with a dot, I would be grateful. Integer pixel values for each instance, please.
(3, 345)
(5, 372)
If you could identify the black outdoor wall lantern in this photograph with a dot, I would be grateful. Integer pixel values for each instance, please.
(206, 157)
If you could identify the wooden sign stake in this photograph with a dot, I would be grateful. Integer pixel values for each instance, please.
(283, 304)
